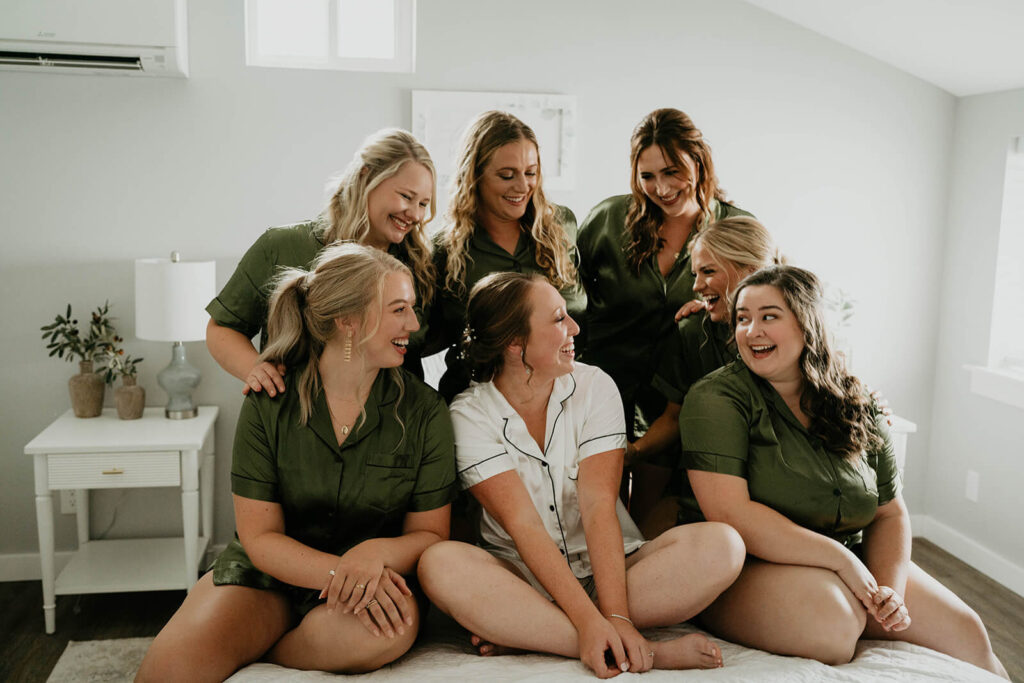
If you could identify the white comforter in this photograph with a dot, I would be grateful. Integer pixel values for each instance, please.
(443, 654)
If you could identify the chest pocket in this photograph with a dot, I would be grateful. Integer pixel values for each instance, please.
(389, 481)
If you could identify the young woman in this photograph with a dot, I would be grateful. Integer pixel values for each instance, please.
(721, 255)
(790, 450)
(498, 220)
(634, 261)
(382, 201)
(539, 443)
(339, 485)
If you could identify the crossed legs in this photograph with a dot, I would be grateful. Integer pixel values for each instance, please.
(219, 629)
(668, 581)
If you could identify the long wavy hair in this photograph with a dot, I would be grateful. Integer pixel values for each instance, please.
(675, 134)
(346, 281)
(345, 217)
(488, 132)
(840, 409)
(498, 312)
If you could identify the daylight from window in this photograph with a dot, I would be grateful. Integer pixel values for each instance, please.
(1007, 346)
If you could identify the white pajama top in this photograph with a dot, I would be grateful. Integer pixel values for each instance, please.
(584, 418)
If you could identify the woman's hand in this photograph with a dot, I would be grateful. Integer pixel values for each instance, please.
(267, 376)
(890, 610)
(639, 652)
(858, 579)
(601, 648)
(689, 308)
(353, 582)
(391, 608)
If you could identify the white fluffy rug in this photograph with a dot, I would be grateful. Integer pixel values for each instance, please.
(100, 660)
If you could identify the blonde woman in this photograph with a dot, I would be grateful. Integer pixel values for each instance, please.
(383, 199)
(721, 255)
(539, 443)
(339, 485)
(498, 220)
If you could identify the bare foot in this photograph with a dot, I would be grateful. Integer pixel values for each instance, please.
(692, 651)
(489, 649)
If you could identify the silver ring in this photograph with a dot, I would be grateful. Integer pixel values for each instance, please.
(331, 572)
(651, 653)
(360, 586)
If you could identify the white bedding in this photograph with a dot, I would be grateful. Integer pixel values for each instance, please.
(443, 654)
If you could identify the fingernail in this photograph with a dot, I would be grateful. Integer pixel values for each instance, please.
(624, 666)
(408, 620)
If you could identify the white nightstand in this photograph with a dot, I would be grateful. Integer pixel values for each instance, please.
(104, 453)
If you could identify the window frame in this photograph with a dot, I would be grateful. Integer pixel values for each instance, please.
(404, 60)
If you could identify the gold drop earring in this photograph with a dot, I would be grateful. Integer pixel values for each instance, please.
(348, 346)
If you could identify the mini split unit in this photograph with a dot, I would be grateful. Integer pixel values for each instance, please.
(110, 37)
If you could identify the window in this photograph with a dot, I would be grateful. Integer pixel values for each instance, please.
(347, 35)
(1003, 378)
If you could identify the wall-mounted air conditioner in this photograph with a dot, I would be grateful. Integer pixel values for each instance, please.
(120, 37)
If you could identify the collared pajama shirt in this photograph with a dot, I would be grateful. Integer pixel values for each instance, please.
(244, 302)
(584, 418)
(335, 497)
(484, 257)
(631, 314)
(735, 423)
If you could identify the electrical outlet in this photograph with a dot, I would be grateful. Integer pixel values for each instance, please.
(971, 489)
(68, 502)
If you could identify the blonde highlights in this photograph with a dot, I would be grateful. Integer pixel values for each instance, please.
(345, 217)
(485, 135)
(740, 241)
(346, 281)
(676, 135)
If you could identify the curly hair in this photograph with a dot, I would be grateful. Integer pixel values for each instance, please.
(345, 217)
(675, 134)
(486, 133)
(840, 409)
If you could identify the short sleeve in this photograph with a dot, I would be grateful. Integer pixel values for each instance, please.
(604, 424)
(253, 462)
(435, 480)
(479, 449)
(714, 430)
(242, 304)
(883, 460)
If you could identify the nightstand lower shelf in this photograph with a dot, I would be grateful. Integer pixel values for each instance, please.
(127, 565)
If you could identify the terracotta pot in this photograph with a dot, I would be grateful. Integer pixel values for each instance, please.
(130, 399)
(86, 390)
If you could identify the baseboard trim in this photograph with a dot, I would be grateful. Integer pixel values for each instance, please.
(26, 567)
(990, 563)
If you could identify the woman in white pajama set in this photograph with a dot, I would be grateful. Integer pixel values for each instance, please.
(539, 443)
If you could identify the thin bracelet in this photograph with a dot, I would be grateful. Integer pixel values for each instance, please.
(625, 619)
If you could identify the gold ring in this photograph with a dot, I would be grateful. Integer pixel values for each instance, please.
(651, 653)
(360, 586)
(372, 602)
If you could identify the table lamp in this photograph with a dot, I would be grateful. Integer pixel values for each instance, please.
(170, 298)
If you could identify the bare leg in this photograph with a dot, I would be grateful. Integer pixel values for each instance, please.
(490, 600)
(789, 610)
(216, 631)
(340, 643)
(941, 621)
(677, 575)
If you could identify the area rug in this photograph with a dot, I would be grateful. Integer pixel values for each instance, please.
(92, 661)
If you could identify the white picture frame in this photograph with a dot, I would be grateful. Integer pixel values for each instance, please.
(440, 117)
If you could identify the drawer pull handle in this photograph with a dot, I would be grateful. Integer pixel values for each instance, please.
(114, 470)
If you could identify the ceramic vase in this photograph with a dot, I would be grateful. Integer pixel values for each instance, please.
(130, 399)
(86, 390)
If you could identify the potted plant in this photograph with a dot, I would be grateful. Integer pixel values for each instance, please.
(129, 398)
(65, 340)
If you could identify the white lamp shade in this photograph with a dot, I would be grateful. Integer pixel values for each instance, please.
(170, 298)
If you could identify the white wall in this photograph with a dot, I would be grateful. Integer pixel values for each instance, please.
(970, 432)
(844, 158)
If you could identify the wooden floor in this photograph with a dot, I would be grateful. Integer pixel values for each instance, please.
(27, 655)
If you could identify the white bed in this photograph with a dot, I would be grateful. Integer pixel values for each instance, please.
(443, 654)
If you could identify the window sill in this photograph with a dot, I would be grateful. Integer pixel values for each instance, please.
(999, 384)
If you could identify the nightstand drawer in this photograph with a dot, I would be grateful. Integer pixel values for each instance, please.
(114, 470)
